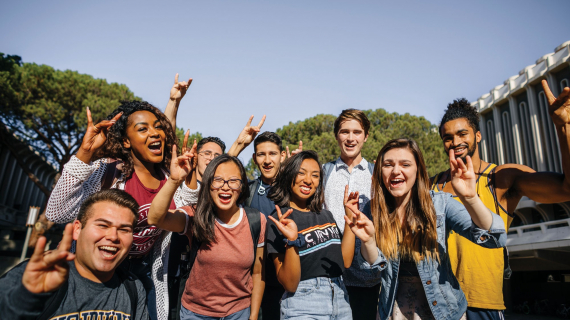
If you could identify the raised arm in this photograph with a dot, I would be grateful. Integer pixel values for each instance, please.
(544, 187)
(464, 183)
(245, 137)
(159, 213)
(348, 239)
(363, 228)
(176, 94)
(287, 265)
(258, 277)
(80, 177)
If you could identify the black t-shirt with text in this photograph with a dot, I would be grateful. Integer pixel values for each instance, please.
(321, 256)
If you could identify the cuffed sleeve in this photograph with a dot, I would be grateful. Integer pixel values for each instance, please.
(379, 264)
(495, 237)
(457, 218)
(185, 196)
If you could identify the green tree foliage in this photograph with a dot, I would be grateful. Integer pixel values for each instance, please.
(180, 135)
(252, 170)
(317, 134)
(47, 106)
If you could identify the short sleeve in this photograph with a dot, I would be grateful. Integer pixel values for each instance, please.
(261, 241)
(274, 238)
(189, 210)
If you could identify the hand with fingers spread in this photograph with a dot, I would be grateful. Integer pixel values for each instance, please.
(294, 152)
(463, 178)
(95, 136)
(350, 202)
(360, 225)
(46, 272)
(179, 89)
(559, 108)
(287, 227)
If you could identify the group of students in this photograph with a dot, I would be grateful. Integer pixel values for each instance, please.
(347, 239)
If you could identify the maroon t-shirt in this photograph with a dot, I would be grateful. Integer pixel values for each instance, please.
(144, 236)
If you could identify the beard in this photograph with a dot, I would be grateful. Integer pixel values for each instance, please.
(470, 150)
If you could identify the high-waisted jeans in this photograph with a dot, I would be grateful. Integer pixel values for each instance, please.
(318, 299)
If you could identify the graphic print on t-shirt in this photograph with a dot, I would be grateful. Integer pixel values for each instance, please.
(95, 314)
(318, 237)
(144, 235)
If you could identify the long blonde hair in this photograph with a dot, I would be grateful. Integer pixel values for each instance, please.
(417, 237)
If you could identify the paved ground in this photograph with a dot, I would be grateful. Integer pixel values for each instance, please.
(516, 316)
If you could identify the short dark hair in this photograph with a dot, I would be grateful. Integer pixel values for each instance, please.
(204, 226)
(215, 140)
(461, 108)
(281, 189)
(352, 114)
(268, 136)
(116, 196)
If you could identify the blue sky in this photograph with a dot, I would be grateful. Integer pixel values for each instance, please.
(289, 60)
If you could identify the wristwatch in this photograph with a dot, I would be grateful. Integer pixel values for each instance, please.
(299, 242)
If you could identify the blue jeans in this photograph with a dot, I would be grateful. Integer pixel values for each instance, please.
(142, 268)
(186, 314)
(317, 299)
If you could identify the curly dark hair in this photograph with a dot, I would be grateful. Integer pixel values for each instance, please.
(113, 147)
(461, 108)
(281, 188)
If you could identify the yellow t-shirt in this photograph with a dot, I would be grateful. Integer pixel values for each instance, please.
(479, 270)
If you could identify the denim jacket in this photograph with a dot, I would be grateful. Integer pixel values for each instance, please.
(443, 293)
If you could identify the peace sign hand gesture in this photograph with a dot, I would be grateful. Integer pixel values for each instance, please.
(287, 227)
(463, 178)
(95, 136)
(249, 132)
(47, 271)
(179, 89)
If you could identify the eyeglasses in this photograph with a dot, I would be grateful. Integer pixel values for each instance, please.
(209, 154)
(234, 184)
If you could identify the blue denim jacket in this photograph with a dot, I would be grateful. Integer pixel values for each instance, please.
(444, 296)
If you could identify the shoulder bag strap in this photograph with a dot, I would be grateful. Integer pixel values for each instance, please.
(254, 219)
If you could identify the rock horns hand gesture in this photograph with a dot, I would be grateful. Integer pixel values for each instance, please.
(179, 88)
(47, 271)
(294, 152)
(287, 227)
(95, 136)
(559, 108)
(181, 166)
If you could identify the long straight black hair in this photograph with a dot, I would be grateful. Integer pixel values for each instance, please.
(205, 216)
(281, 189)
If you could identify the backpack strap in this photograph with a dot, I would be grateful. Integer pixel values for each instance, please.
(128, 280)
(254, 219)
(112, 174)
(54, 302)
(185, 268)
(253, 184)
(328, 168)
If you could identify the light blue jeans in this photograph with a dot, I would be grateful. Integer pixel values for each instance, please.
(317, 299)
(186, 314)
